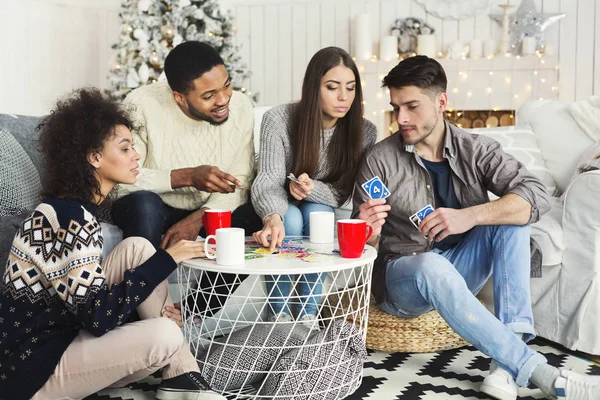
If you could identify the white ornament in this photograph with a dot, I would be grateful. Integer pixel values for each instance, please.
(144, 5)
(184, 3)
(178, 39)
(454, 9)
(133, 79)
(144, 73)
(140, 34)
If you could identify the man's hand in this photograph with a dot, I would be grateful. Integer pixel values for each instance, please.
(302, 188)
(209, 178)
(375, 212)
(273, 227)
(447, 221)
(186, 229)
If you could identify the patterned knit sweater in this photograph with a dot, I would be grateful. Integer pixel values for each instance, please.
(276, 160)
(54, 286)
(167, 139)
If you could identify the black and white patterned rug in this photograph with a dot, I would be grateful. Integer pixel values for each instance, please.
(450, 375)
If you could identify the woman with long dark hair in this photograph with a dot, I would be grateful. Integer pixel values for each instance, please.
(319, 141)
(64, 330)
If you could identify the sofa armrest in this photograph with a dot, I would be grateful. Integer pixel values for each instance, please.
(581, 225)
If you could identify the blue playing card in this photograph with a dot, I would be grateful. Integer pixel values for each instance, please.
(425, 211)
(375, 188)
(420, 215)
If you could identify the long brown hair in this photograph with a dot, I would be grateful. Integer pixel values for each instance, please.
(345, 149)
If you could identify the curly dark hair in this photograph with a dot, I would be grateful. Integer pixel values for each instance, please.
(80, 124)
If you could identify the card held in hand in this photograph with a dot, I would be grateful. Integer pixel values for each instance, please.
(376, 189)
(420, 215)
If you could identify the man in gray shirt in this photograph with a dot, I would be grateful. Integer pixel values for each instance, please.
(444, 260)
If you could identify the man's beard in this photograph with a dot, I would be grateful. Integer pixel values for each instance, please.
(194, 112)
(427, 128)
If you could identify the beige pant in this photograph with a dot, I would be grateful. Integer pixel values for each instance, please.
(127, 353)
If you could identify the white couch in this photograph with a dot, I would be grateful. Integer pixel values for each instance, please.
(566, 299)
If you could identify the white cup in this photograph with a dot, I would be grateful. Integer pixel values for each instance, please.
(322, 224)
(230, 246)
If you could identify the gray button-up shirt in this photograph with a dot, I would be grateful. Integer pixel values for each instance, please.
(478, 165)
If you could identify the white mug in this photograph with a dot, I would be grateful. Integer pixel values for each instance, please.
(230, 246)
(322, 225)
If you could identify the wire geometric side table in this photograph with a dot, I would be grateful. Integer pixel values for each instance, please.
(244, 355)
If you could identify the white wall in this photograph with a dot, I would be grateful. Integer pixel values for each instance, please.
(49, 47)
(280, 36)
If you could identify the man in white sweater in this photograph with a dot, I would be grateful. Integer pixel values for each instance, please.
(195, 139)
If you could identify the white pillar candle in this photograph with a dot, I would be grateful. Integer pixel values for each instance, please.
(528, 45)
(549, 49)
(476, 49)
(426, 45)
(362, 38)
(489, 48)
(388, 48)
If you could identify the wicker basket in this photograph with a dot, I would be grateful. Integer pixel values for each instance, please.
(426, 333)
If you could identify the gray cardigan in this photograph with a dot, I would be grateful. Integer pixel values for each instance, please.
(276, 159)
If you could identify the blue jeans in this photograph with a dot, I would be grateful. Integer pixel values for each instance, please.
(448, 281)
(308, 286)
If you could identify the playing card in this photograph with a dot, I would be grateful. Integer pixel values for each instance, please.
(265, 250)
(294, 179)
(252, 256)
(420, 215)
(313, 258)
(288, 255)
(291, 242)
(375, 188)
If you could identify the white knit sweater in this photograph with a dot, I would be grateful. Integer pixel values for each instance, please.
(167, 139)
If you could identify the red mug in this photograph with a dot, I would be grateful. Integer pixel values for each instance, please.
(353, 234)
(215, 219)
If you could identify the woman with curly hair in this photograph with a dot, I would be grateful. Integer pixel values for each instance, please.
(64, 330)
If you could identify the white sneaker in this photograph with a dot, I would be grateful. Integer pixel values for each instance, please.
(499, 384)
(187, 386)
(281, 317)
(310, 321)
(573, 386)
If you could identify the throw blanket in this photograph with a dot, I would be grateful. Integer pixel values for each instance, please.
(587, 115)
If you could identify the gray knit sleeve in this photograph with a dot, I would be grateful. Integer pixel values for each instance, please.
(326, 193)
(268, 190)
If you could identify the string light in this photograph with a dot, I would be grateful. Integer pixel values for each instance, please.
(463, 76)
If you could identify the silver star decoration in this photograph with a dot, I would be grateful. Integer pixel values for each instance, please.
(527, 22)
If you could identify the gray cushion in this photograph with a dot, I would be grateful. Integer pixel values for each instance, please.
(326, 367)
(23, 129)
(8, 228)
(253, 348)
(20, 183)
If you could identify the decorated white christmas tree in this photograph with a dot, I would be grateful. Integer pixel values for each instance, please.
(151, 28)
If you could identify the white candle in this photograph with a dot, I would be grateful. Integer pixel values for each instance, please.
(362, 38)
(426, 45)
(489, 48)
(528, 45)
(388, 48)
(476, 49)
(549, 49)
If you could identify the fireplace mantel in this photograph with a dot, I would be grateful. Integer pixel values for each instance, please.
(499, 83)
